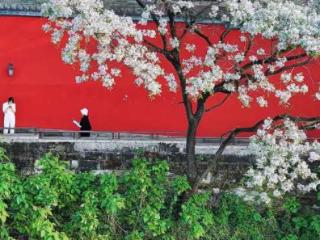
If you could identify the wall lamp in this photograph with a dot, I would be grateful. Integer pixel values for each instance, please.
(10, 70)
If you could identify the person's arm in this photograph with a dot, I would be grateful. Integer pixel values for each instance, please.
(76, 123)
(13, 108)
(5, 108)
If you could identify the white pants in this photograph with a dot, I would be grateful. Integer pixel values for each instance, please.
(9, 123)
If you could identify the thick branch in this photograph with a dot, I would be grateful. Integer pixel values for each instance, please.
(218, 104)
(248, 47)
(154, 47)
(225, 34)
(273, 59)
(289, 67)
(245, 75)
(203, 36)
(220, 89)
(175, 61)
(190, 24)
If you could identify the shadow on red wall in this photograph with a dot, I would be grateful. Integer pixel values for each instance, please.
(47, 96)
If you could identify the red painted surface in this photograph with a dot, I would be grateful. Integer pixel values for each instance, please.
(47, 96)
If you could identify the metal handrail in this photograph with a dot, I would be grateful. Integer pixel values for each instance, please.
(117, 135)
(154, 135)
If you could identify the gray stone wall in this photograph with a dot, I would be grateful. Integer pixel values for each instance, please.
(100, 156)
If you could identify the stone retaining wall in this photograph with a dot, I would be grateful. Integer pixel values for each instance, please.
(86, 155)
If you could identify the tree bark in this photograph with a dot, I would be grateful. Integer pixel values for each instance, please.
(190, 149)
(193, 124)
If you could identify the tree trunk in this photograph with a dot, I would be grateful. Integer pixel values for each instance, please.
(190, 149)
(193, 124)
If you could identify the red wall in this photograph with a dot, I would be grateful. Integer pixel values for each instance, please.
(47, 96)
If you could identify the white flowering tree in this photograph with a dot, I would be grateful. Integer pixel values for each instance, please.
(160, 37)
(283, 159)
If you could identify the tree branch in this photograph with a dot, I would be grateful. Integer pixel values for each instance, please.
(194, 20)
(310, 123)
(272, 59)
(156, 20)
(225, 34)
(268, 73)
(248, 47)
(153, 16)
(219, 104)
(203, 36)
(154, 47)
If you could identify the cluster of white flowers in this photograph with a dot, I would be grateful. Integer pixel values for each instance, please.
(239, 57)
(175, 43)
(261, 51)
(190, 47)
(190, 63)
(205, 82)
(262, 101)
(177, 6)
(119, 39)
(163, 26)
(84, 59)
(291, 84)
(291, 23)
(87, 20)
(253, 58)
(282, 158)
(244, 97)
(172, 83)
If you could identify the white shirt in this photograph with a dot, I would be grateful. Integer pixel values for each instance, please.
(9, 109)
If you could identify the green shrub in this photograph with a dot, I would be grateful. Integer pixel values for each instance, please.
(59, 204)
(143, 203)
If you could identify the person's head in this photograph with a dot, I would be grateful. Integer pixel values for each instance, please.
(84, 111)
(10, 100)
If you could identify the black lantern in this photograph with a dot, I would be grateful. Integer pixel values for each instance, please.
(10, 70)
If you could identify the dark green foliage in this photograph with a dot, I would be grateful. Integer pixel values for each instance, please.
(236, 220)
(298, 223)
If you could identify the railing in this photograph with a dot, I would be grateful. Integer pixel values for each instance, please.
(115, 135)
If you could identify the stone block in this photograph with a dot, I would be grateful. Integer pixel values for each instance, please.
(110, 164)
(74, 164)
(85, 165)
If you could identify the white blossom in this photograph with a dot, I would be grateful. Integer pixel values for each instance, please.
(262, 102)
(281, 62)
(299, 77)
(239, 57)
(261, 51)
(171, 82)
(286, 77)
(243, 38)
(191, 48)
(115, 72)
(175, 43)
(162, 28)
(313, 156)
(284, 96)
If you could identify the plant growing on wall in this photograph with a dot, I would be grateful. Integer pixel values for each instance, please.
(213, 65)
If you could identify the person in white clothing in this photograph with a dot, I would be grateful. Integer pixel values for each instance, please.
(9, 110)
